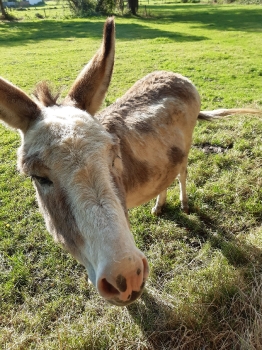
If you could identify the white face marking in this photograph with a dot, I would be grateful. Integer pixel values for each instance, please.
(71, 158)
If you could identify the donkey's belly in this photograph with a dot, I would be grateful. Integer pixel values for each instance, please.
(145, 192)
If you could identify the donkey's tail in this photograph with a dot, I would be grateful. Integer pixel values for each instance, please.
(219, 113)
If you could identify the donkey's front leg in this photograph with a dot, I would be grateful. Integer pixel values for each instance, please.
(160, 202)
(182, 184)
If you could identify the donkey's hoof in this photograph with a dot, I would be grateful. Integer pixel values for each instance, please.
(185, 209)
(156, 211)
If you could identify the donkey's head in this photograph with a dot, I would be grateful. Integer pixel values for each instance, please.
(76, 168)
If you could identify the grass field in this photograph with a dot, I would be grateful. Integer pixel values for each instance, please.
(205, 287)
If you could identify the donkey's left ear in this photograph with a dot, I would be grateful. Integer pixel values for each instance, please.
(90, 87)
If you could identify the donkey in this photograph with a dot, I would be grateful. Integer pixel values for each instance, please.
(88, 169)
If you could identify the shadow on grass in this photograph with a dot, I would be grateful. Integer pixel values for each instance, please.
(214, 323)
(211, 17)
(222, 18)
(158, 322)
(237, 252)
(202, 324)
(18, 33)
(166, 328)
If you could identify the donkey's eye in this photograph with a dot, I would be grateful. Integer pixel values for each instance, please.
(43, 181)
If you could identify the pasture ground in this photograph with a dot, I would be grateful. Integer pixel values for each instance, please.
(205, 287)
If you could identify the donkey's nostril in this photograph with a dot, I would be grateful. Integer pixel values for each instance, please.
(121, 283)
(107, 289)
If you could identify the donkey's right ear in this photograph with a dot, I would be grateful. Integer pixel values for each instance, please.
(16, 108)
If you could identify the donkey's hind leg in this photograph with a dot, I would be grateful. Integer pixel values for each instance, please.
(182, 184)
(160, 202)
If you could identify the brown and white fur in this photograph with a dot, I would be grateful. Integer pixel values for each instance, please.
(88, 170)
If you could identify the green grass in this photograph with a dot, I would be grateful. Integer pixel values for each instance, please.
(205, 286)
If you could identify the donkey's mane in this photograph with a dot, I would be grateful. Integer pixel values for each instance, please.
(44, 94)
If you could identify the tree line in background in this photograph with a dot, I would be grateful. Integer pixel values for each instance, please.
(3, 11)
(82, 7)
(89, 7)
